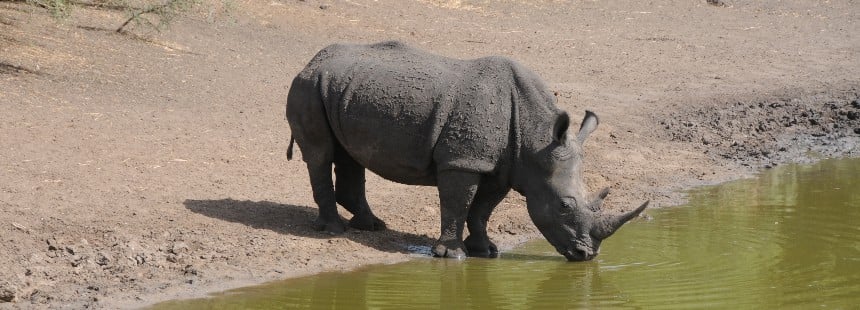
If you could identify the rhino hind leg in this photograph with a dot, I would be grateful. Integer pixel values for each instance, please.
(328, 220)
(350, 192)
(488, 197)
(310, 130)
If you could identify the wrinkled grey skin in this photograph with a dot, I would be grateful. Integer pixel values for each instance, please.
(473, 128)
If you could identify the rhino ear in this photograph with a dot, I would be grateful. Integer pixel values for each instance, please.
(589, 124)
(560, 129)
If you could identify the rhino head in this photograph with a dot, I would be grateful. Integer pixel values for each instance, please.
(549, 175)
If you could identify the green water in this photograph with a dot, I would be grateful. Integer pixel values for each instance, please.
(788, 239)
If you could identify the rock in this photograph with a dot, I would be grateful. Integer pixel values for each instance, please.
(53, 245)
(853, 115)
(855, 103)
(190, 270)
(178, 248)
(77, 260)
(857, 130)
(139, 259)
(7, 292)
(325, 6)
(103, 258)
(717, 2)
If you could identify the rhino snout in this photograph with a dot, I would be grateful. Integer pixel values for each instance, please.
(579, 254)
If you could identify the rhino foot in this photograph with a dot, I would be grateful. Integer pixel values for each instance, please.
(449, 250)
(335, 227)
(371, 223)
(477, 248)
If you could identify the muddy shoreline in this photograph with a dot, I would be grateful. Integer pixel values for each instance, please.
(147, 167)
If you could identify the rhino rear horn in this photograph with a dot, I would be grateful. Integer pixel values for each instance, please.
(596, 202)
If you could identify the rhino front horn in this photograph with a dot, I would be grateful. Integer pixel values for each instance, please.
(613, 223)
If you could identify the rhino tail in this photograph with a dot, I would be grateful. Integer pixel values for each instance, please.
(290, 149)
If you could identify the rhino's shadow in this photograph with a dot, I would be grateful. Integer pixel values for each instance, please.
(296, 220)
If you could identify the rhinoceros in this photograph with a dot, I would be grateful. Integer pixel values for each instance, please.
(475, 129)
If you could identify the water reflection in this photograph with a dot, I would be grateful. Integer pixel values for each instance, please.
(789, 238)
(475, 283)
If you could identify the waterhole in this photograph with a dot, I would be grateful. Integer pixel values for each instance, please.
(789, 238)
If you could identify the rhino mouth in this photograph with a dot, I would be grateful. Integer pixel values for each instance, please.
(575, 255)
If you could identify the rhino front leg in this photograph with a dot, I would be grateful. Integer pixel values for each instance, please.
(489, 196)
(457, 190)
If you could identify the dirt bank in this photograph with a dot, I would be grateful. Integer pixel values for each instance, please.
(138, 168)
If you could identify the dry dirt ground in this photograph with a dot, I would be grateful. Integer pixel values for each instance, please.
(148, 166)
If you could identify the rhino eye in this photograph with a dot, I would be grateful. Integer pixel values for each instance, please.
(567, 206)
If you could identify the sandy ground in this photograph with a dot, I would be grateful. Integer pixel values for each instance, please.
(149, 166)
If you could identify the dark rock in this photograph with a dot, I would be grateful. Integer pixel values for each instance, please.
(140, 259)
(190, 270)
(103, 259)
(853, 115)
(52, 244)
(855, 103)
(77, 260)
(857, 130)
